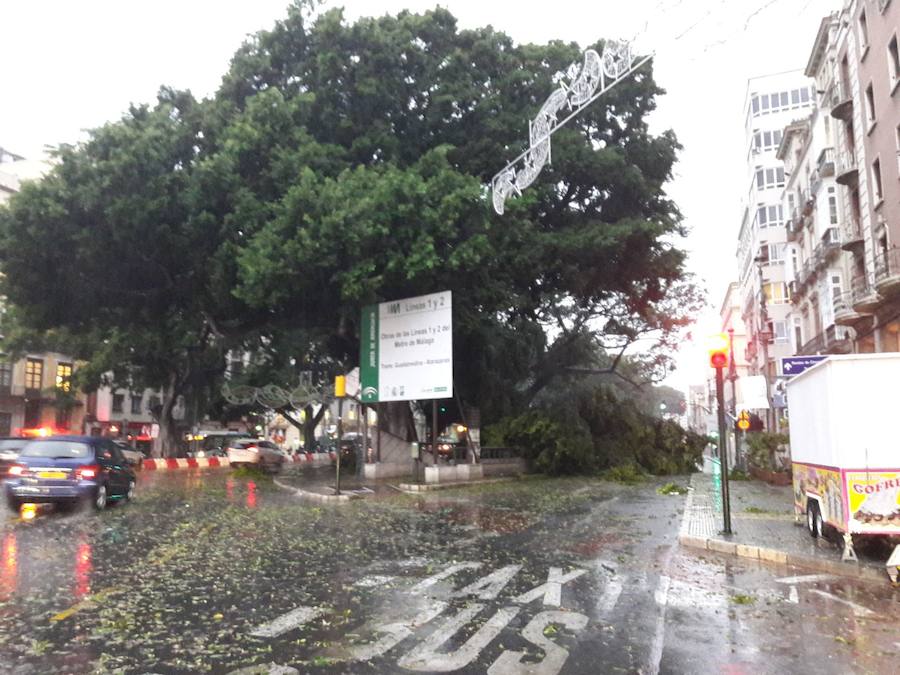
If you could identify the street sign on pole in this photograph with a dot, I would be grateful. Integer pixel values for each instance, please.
(406, 349)
(794, 365)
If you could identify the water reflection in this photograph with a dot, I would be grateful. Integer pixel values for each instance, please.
(83, 567)
(9, 566)
(251, 495)
(229, 489)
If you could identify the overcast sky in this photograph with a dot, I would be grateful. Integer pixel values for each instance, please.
(69, 66)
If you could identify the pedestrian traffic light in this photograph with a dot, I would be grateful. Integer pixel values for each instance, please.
(718, 350)
(743, 420)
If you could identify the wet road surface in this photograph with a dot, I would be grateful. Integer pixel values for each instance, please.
(206, 572)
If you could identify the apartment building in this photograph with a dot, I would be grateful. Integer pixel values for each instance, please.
(843, 191)
(813, 204)
(772, 103)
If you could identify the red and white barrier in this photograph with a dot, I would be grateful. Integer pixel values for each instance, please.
(160, 463)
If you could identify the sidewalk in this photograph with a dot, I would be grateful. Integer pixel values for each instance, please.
(763, 528)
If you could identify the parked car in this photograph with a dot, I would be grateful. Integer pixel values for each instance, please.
(69, 469)
(350, 450)
(9, 451)
(134, 457)
(255, 452)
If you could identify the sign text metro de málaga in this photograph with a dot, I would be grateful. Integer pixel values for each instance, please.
(406, 349)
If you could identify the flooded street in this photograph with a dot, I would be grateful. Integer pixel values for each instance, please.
(206, 572)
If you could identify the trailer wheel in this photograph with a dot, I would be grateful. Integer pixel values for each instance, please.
(813, 518)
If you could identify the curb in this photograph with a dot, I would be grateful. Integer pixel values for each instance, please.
(315, 496)
(170, 463)
(413, 488)
(772, 555)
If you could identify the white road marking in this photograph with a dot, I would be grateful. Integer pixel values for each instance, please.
(794, 596)
(552, 590)
(510, 662)
(610, 596)
(394, 633)
(425, 656)
(659, 637)
(805, 579)
(374, 580)
(286, 622)
(489, 587)
(423, 586)
(859, 610)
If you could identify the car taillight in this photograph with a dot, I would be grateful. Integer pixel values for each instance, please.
(252, 448)
(18, 470)
(88, 471)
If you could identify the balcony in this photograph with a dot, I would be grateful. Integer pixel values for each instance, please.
(835, 340)
(852, 237)
(844, 314)
(887, 273)
(825, 162)
(865, 297)
(846, 170)
(792, 228)
(831, 243)
(841, 101)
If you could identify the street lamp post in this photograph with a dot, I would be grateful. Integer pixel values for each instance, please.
(717, 359)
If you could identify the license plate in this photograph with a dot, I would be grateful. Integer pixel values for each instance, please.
(52, 474)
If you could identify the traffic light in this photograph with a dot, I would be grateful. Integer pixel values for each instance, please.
(718, 350)
(743, 421)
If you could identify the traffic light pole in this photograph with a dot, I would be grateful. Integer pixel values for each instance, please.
(723, 449)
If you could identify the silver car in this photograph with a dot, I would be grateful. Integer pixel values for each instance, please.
(254, 452)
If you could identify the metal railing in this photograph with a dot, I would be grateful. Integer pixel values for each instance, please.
(861, 289)
(846, 164)
(887, 265)
(843, 303)
(500, 453)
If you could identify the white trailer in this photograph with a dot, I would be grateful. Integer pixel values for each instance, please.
(845, 449)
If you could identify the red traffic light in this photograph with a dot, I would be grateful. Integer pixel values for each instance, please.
(718, 350)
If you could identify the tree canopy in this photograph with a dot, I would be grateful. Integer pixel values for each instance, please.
(342, 164)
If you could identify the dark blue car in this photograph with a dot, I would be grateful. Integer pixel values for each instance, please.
(69, 469)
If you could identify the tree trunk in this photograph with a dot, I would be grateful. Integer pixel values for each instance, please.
(309, 430)
(396, 418)
(166, 444)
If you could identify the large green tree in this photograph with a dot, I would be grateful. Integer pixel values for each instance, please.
(343, 164)
(114, 257)
(364, 151)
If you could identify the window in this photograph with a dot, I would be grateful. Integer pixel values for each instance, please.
(64, 377)
(798, 333)
(32, 414)
(863, 33)
(117, 401)
(34, 374)
(776, 253)
(893, 62)
(136, 400)
(876, 180)
(780, 330)
(63, 418)
(870, 104)
(836, 287)
(897, 133)
(776, 293)
(769, 178)
(5, 424)
(832, 206)
(5, 378)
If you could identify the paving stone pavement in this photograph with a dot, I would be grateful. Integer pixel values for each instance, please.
(764, 527)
